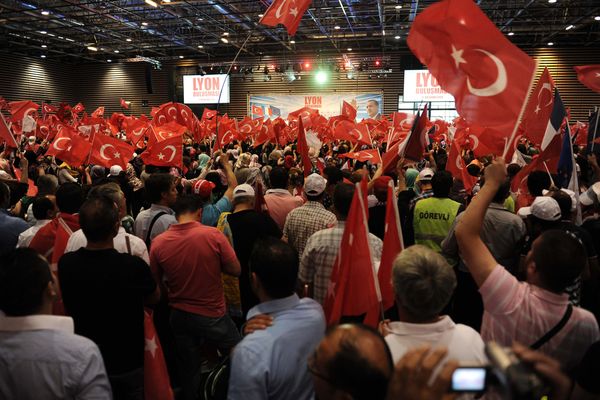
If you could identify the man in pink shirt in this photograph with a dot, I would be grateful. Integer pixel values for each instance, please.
(279, 199)
(537, 312)
(188, 260)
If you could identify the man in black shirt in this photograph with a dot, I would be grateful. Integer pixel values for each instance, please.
(247, 226)
(105, 291)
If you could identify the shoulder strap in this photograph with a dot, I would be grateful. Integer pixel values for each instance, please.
(156, 217)
(552, 332)
(66, 227)
(128, 244)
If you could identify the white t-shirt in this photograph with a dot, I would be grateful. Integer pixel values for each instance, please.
(137, 245)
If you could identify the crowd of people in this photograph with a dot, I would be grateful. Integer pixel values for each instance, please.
(234, 255)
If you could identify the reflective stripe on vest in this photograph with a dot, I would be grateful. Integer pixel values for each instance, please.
(433, 218)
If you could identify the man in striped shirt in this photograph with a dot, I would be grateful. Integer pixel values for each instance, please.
(526, 311)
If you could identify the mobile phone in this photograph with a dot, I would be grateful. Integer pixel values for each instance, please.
(469, 380)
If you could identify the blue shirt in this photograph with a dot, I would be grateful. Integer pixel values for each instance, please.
(212, 212)
(41, 358)
(10, 229)
(271, 363)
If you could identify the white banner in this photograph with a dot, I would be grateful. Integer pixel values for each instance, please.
(205, 89)
(368, 105)
(421, 86)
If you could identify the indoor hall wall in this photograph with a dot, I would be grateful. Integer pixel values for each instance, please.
(36, 79)
(105, 84)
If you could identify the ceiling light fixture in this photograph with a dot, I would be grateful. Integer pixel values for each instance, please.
(550, 43)
(45, 12)
(200, 46)
(292, 42)
(383, 32)
(43, 32)
(92, 48)
(180, 56)
(568, 28)
(116, 51)
(261, 15)
(150, 2)
(398, 7)
(349, 49)
(511, 33)
(224, 40)
(597, 17)
(145, 23)
(397, 37)
(109, 60)
(43, 56)
(551, 1)
(337, 27)
(128, 39)
(44, 46)
(225, 33)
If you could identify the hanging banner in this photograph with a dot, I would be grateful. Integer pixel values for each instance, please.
(421, 86)
(368, 105)
(205, 89)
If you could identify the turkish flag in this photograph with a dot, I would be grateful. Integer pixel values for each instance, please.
(6, 135)
(124, 104)
(456, 166)
(225, 133)
(539, 109)
(98, 113)
(309, 116)
(257, 111)
(47, 108)
(286, 12)
(402, 120)
(393, 244)
(471, 59)
(303, 149)
(157, 385)
(245, 127)
(167, 153)
(348, 111)
(416, 143)
(108, 151)
(207, 113)
(19, 109)
(519, 182)
(77, 108)
(134, 129)
(589, 76)
(352, 289)
(352, 132)
(70, 147)
(364, 156)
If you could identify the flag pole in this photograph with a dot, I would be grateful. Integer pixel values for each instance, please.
(523, 107)
(574, 181)
(549, 174)
(595, 128)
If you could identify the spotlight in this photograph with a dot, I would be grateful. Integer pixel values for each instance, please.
(349, 49)
(117, 51)
(92, 48)
(337, 27)
(377, 63)
(398, 7)
(128, 39)
(397, 37)
(511, 33)
(292, 42)
(109, 60)
(144, 23)
(45, 12)
(224, 40)
(568, 28)
(44, 46)
(306, 65)
(597, 17)
(180, 56)
(321, 77)
(550, 43)
(43, 56)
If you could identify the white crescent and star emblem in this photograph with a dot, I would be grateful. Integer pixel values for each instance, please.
(458, 163)
(227, 135)
(294, 12)
(548, 87)
(57, 141)
(103, 148)
(244, 130)
(174, 116)
(150, 345)
(475, 141)
(279, 9)
(174, 151)
(161, 119)
(137, 132)
(495, 88)
(359, 135)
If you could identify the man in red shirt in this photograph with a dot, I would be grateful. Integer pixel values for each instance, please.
(188, 259)
(51, 240)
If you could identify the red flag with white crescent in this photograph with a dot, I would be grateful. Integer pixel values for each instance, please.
(286, 12)
(167, 153)
(589, 76)
(108, 151)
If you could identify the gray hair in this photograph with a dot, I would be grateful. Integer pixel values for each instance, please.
(423, 282)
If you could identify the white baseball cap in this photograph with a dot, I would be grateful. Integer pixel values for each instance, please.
(243, 190)
(314, 184)
(591, 196)
(571, 195)
(115, 170)
(426, 174)
(544, 208)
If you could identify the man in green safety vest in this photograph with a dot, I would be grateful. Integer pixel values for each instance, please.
(432, 217)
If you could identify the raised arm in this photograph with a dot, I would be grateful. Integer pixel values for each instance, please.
(231, 179)
(474, 252)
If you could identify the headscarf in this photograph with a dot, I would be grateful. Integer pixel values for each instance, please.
(411, 177)
(203, 160)
(254, 161)
(243, 161)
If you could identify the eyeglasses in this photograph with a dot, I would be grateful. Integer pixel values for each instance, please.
(310, 365)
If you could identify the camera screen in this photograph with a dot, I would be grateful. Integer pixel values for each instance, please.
(469, 379)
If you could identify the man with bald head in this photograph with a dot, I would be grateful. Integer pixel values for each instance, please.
(352, 361)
